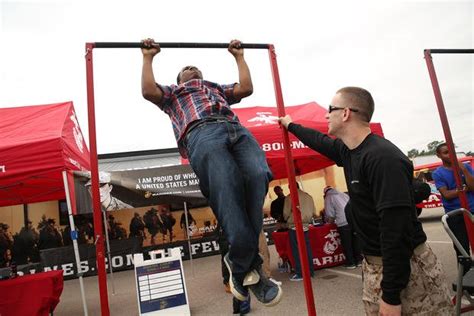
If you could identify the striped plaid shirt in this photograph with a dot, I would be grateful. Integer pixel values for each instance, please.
(194, 100)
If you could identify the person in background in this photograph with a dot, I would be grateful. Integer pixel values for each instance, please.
(86, 230)
(6, 245)
(446, 185)
(21, 243)
(49, 236)
(43, 222)
(401, 272)
(422, 191)
(66, 235)
(29, 237)
(307, 212)
(276, 208)
(334, 207)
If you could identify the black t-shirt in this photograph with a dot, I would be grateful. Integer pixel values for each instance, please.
(276, 209)
(379, 179)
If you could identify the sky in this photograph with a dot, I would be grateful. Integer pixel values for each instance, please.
(321, 46)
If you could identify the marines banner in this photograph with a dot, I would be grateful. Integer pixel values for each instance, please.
(121, 254)
(128, 189)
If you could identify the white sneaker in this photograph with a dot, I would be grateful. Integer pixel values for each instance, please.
(296, 278)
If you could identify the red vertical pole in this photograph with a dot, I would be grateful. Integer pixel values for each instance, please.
(449, 142)
(96, 206)
(290, 168)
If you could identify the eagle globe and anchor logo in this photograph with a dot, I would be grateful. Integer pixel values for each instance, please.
(264, 118)
(331, 249)
(332, 242)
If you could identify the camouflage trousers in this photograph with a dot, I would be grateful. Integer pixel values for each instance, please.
(427, 291)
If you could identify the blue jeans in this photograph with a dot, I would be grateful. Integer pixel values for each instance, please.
(296, 254)
(233, 175)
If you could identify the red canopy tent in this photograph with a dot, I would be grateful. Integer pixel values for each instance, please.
(40, 146)
(37, 143)
(263, 124)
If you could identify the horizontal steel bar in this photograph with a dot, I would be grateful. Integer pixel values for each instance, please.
(175, 45)
(450, 51)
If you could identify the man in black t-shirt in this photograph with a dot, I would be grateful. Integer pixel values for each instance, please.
(401, 273)
(276, 208)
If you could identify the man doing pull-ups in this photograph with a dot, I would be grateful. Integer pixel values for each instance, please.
(231, 167)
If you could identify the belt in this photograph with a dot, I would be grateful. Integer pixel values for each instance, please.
(196, 123)
(376, 260)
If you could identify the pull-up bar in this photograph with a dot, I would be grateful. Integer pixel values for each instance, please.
(176, 45)
(95, 167)
(449, 51)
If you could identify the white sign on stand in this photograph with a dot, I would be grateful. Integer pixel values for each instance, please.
(161, 287)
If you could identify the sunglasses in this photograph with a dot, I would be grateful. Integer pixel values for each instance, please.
(332, 108)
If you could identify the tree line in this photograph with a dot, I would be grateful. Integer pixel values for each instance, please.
(429, 150)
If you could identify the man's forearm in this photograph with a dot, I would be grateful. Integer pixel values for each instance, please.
(396, 242)
(245, 80)
(316, 140)
(149, 89)
(449, 194)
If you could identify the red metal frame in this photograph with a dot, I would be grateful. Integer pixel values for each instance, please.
(97, 208)
(95, 169)
(447, 132)
(290, 168)
(464, 309)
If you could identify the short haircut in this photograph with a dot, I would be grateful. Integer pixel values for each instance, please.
(178, 78)
(438, 148)
(360, 99)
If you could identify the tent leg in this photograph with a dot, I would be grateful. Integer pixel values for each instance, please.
(189, 238)
(74, 243)
(109, 256)
(290, 169)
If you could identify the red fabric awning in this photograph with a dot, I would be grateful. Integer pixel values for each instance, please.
(37, 143)
(263, 124)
